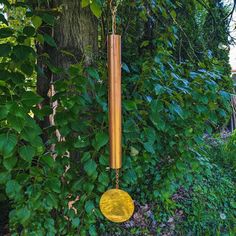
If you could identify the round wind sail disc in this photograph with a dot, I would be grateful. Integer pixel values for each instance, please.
(116, 205)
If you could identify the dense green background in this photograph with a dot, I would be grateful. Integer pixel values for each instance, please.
(176, 91)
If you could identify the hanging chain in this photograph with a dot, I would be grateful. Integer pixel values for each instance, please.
(117, 178)
(113, 9)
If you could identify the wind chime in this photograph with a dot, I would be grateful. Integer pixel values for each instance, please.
(115, 204)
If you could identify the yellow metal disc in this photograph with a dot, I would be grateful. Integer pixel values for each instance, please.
(116, 205)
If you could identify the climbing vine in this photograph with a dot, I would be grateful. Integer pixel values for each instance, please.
(171, 98)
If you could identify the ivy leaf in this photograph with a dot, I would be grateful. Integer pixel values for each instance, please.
(4, 177)
(130, 105)
(53, 184)
(104, 160)
(86, 156)
(148, 147)
(90, 167)
(85, 3)
(49, 40)
(29, 98)
(6, 32)
(133, 151)
(96, 8)
(75, 222)
(16, 122)
(5, 49)
(104, 179)
(10, 162)
(7, 144)
(93, 73)
(23, 214)
(27, 153)
(47, 159)
(29, 31)
(89, 206)
(101, 139)
(125, 67)
(174, 107)
(88, 187)
(3, 112)
(22, 52)
(37, 21)
(92, 231)
(12, 188)
(49, 19)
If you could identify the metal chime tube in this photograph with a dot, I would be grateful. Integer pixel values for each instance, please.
(114, 71)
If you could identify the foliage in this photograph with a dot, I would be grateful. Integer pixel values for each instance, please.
(167, 107)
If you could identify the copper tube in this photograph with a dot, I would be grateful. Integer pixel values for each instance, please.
(114, 99)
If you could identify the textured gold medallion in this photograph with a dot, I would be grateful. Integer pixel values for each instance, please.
(116, 205)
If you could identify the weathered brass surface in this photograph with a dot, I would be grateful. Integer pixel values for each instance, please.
(117, 205)
(114, 99)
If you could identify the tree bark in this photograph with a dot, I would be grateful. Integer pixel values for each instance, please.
(76, 34)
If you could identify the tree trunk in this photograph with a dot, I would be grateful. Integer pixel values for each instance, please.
(75, 32)
(76, 36)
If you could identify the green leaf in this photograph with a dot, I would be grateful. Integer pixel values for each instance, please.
(80, 143)
(5, 49)
(16, 122)
(49, 40)
(23, 214)
(148, 147)
(37, 21)
(6, 32)
(53, 184)
(104, 179)
(4, 177)
(125, 68)
(3, 112)
(174, 107)
(22, 52)
(7, 144)
(130, 105)
(2, 83)
(10, 162)
(86, 156)
(101, 139)
(104, 160)
(150, 134)
(27, 153)
(89, 206)
(75, 222)
(3, 19)
(85, 3)
(90, 167)
(48, 160)
(49, 19)
(32, 135)
(30, 98)
(12, 188)
(96, 8)
(29, 31)
(133, 151)
(93, 73)
(92, 230)
(157, 106)
(88, 187)
(27, 69)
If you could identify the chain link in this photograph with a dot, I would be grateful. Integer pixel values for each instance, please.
(113, 9)
(117, 178)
